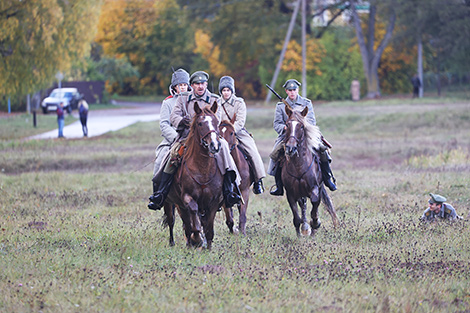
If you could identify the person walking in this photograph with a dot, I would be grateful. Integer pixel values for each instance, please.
(233, 106)
(60, 119)
(181, 116)
(416, 85)
(83, 112)
(296, 102)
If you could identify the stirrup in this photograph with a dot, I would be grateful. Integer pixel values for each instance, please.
(231, 199)
(258, 187)
(328, 183)
(153, 206)
(277, 192)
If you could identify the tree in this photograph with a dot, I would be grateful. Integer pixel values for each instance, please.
(443, 28)
(38, 38)
(371, 52)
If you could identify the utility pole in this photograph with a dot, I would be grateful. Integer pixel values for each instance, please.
(284, 48)
(304, 49)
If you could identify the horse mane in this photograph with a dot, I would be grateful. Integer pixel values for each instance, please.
(191, 142)
(226, 123)
(312, 132)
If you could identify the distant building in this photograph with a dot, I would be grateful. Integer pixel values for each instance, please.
(322, 19)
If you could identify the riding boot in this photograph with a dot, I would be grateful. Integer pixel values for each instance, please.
(160, 191)
(231, 198)
(258, 187)
(327, 175)
(279, 191)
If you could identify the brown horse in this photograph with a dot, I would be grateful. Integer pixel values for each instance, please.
(197, 187)
(301, 173)
(227, 131)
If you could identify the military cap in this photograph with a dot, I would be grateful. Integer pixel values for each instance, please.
(291, 84)
(179, 76)
(199, 77)
(436, 198)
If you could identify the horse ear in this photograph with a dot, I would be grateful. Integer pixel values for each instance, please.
(233, 119)
(197, 109)
(288, 110)
(305, 111)
(214, 107)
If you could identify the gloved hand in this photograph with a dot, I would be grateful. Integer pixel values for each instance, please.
(183, 124)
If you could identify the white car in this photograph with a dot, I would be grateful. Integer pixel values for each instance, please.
(70, 97)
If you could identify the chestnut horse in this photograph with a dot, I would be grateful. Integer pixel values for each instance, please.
(301, 173)
(197, 187)
(227, 131)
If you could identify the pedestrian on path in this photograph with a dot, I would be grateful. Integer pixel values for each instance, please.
(60, 119)
(83, 112)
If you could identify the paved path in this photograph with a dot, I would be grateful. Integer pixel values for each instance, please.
(102, 121)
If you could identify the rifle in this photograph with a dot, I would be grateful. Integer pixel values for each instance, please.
(287, 104)
(278, 96)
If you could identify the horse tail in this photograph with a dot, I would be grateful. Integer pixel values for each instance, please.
(325, 198)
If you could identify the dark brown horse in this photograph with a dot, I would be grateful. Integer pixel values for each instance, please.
(197, 187)
(301, 173)
(227, 131)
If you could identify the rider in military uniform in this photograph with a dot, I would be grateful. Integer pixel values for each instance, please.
(439, 209)
(231, 106)
(179, 85)
(297, 103)
(181, 116)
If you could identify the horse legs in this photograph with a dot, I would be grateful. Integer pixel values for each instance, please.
(169, 219)
(195, 238)
(229, 218)
(293, 206)
(315, 200)
(242, 211)
(329, 206)
(305, 227)
(184, 214)
(209, 227)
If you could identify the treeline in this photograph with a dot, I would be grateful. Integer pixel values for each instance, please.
(133, 45)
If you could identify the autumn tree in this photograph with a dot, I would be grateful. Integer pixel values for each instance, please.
(38, 38)
(371, 50)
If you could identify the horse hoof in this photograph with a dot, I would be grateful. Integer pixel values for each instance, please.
(317, 225)
(305, 230)
(196, 240)
(235, 230)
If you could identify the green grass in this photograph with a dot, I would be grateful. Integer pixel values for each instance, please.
(75, 233)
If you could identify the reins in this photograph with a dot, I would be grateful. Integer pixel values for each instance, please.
(314, 158)
(203, 143)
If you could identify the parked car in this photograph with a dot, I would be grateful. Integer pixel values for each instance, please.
(70, 97)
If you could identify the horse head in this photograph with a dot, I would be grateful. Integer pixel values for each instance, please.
(227, 130)
(295, 131)
(205, 126)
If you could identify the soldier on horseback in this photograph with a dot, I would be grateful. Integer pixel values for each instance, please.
(297, 103)
(233, 106)
(181, 116)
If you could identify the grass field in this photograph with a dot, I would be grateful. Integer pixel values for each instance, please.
(76, 235)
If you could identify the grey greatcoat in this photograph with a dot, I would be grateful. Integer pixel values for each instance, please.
(168, 132)
(235, 105)
(280, 119)
(447, 212)
(185, 107)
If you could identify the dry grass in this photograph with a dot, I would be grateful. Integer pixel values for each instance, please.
(75, 233)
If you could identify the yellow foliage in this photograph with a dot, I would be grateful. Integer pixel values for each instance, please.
(131, 17)
(293, 57)
(209, 52)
